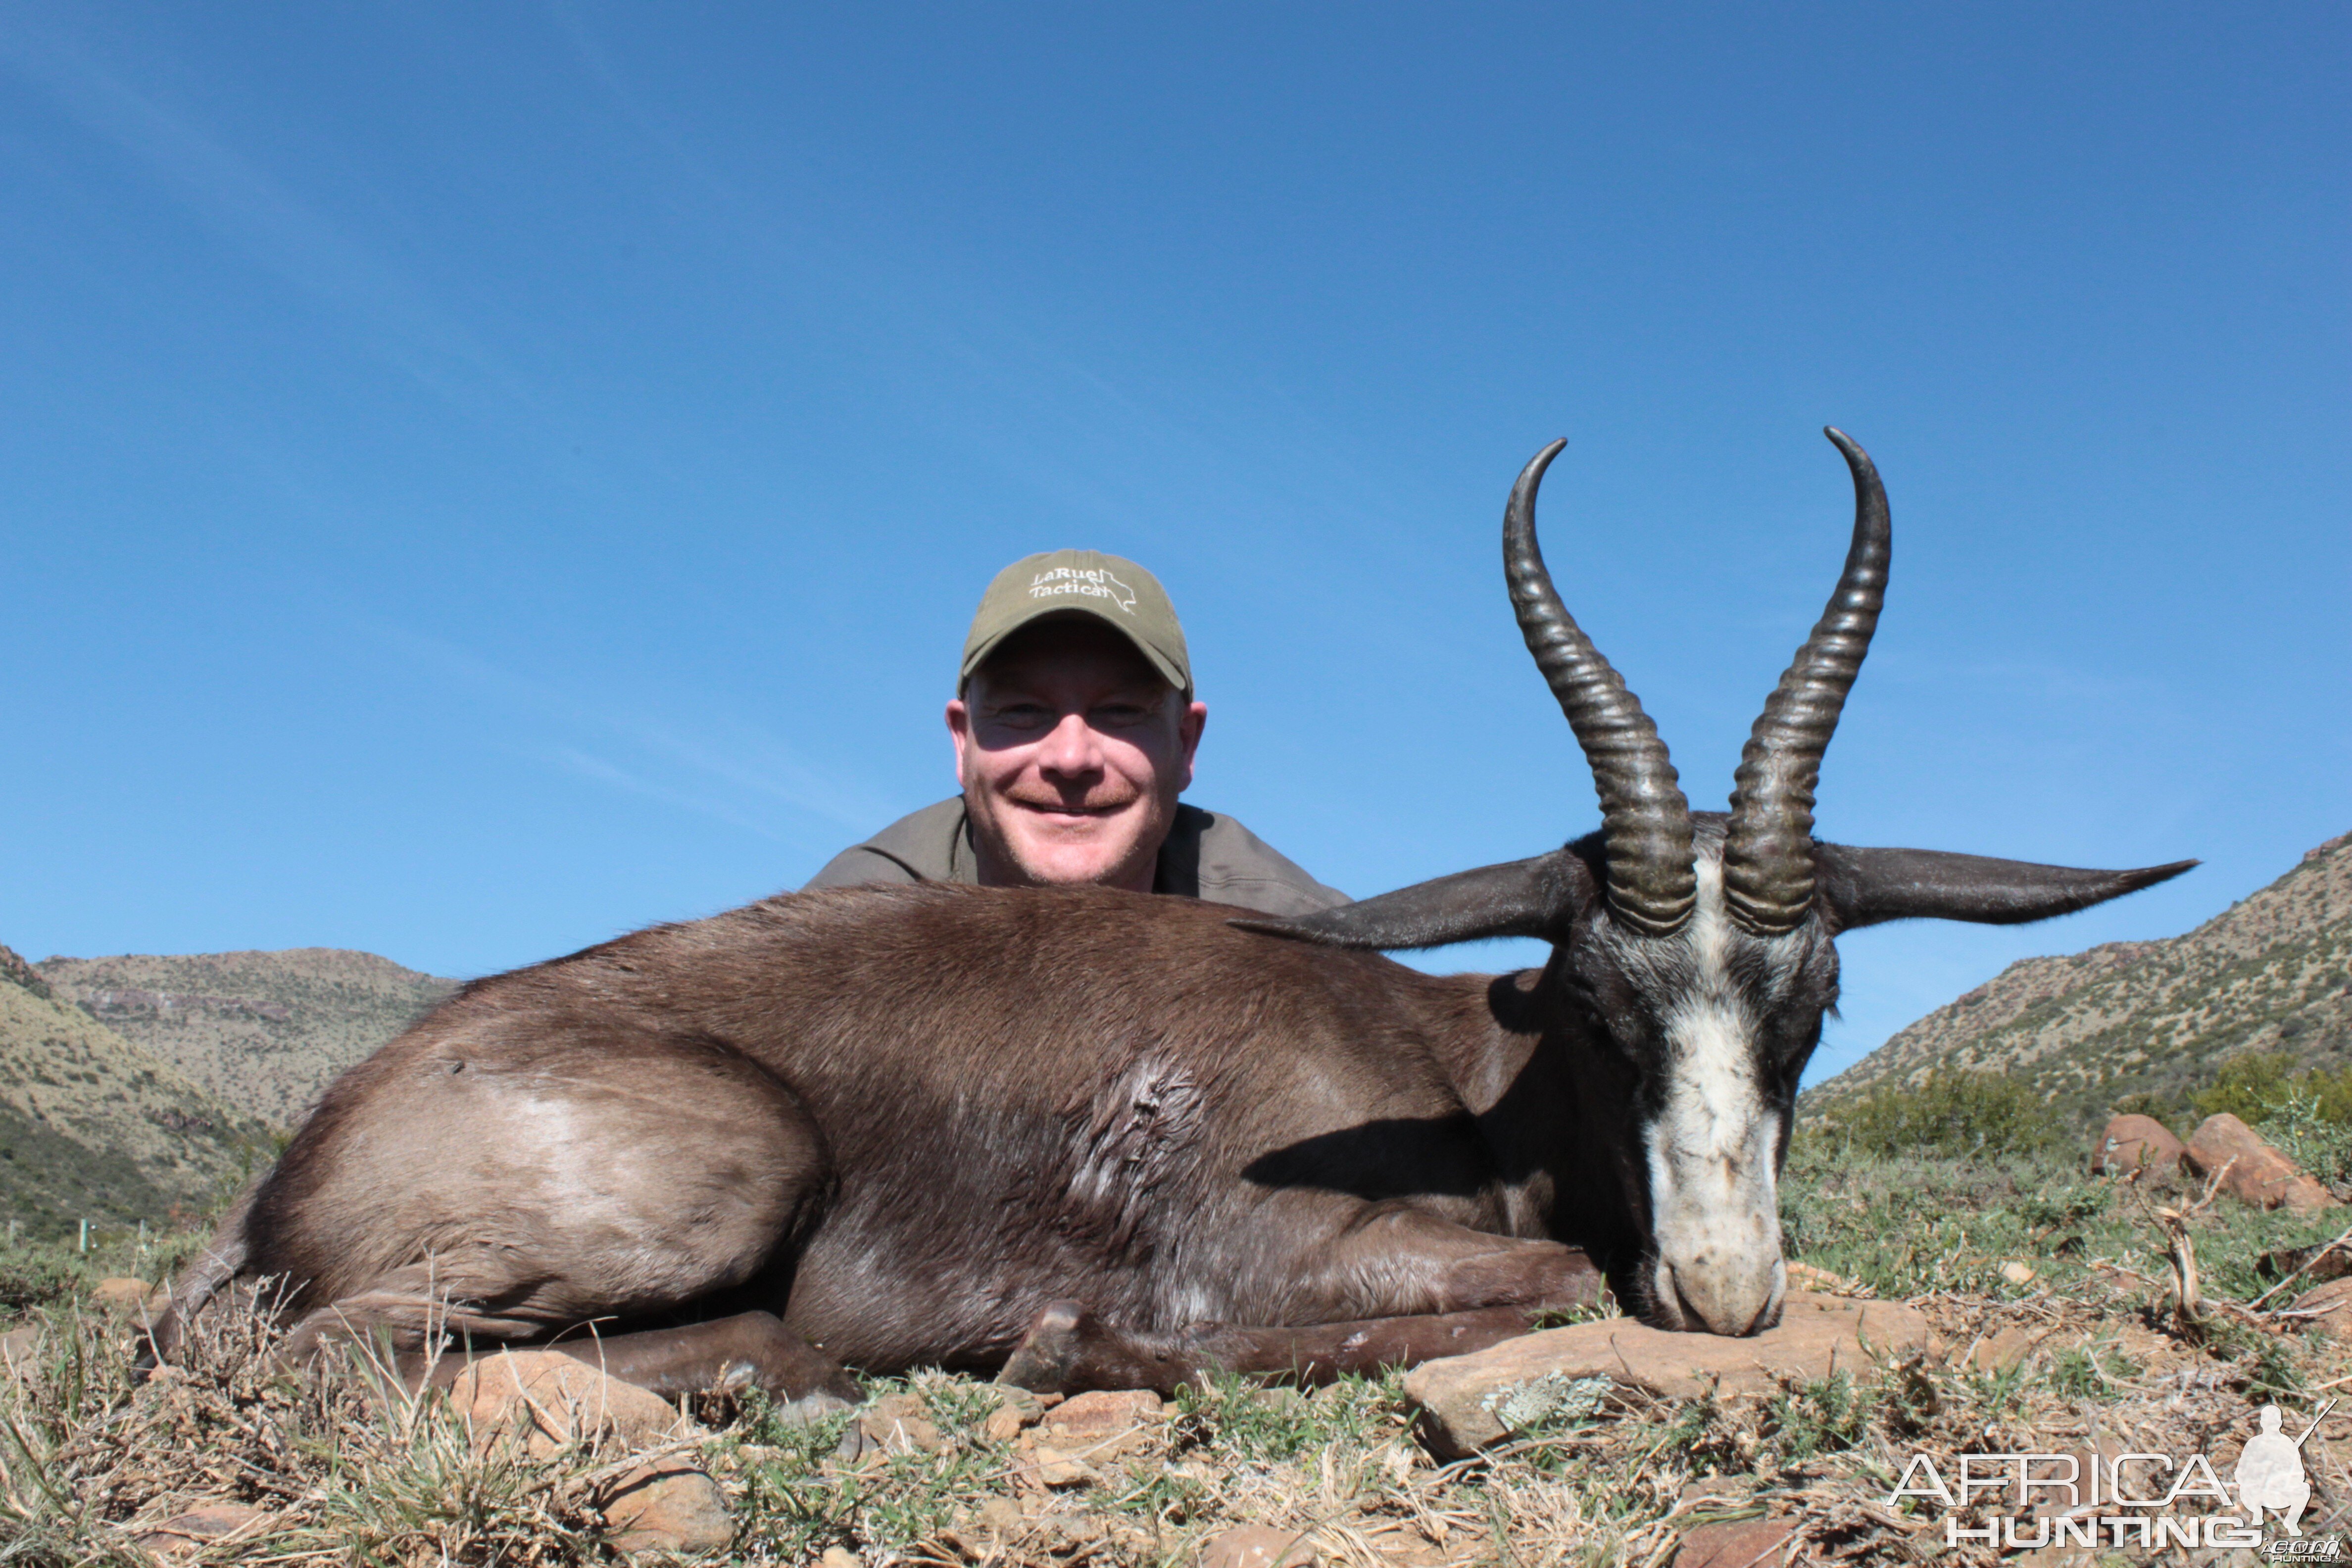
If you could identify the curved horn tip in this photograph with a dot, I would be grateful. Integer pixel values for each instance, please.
(1849, 447)
(1541, 460)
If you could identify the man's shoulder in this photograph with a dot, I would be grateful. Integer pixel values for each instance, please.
(918, 848)
(1224, 863)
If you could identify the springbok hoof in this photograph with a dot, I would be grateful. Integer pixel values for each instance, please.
(1048, 1354)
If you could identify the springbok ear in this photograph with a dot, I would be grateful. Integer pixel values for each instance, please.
(1866, 887)
(1525, 897)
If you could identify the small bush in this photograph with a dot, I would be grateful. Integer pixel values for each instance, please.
(1958, 1113)
(2256, 1086)
(36, 1277)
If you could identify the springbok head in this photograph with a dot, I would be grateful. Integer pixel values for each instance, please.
(1694, 953)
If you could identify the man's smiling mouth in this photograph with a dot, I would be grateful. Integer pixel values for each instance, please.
(1058, 809)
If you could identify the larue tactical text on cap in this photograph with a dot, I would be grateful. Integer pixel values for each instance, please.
(1110, 588)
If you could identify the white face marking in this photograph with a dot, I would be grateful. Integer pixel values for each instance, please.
(1713, 1198)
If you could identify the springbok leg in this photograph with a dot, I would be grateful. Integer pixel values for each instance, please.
(1069, 1351)
(747, 1349)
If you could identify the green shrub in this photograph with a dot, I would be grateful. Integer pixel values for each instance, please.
(35, 1276)
(2256, 1086)
(1955, 1112)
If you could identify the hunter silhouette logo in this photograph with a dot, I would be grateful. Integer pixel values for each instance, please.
(1094, 583)
(2270, 1472)
(2148, 1500)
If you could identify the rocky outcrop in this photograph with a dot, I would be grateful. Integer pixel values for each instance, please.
(14, 971)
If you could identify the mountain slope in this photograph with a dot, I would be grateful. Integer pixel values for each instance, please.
(91, 1127)
(263, 1032)
(2273, 972)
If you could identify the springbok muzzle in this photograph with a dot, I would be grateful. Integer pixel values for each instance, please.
(1718, 1266)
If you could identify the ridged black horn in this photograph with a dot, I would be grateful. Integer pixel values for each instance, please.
(1768, 852)
(1644, 818)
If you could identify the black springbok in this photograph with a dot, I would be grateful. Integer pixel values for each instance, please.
(1095, 1138)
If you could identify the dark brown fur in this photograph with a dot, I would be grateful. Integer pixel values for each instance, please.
(910, 1119)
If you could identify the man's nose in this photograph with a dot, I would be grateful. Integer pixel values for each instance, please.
(1070, 747)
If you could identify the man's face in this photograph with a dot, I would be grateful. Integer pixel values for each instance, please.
(1071, 750)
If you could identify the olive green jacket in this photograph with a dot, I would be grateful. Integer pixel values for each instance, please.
(1207, 856)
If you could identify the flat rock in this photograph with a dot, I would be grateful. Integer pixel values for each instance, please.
(186, 1534)
(2138, 1146)
(667, 1508)
(2006, 1348)
(20, 1346)
(1468, 1402)
(1000, 1514)
(1258, 1546)
(1105, 1423)
(2332, 1302)
(2257, 1173)
(124, 1297)
(1049, 1467)
(898, 1422)
(552, 1400)
(1740, 1544)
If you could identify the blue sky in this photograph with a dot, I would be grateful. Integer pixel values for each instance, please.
(483, 478)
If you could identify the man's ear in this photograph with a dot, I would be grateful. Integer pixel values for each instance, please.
(1188, 725)
(958, 718)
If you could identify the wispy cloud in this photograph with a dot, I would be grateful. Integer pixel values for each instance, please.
(387, 312)
(724, 768)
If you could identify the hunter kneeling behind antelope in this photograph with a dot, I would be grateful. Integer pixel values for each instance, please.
(1090, 1138)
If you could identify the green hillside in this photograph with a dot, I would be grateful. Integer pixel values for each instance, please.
(2148, 1021)
(91, 1127)
(263, 1032)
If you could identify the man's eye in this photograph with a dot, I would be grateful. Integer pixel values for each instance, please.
(1027, 715)
(1120, 714)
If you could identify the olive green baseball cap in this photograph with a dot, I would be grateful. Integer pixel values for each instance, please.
(1113, 590)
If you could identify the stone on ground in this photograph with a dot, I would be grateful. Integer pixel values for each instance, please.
(2136, 1145)
(1741, 1543)
(2006, 1348)
(897, 1422)
(2258, 1174)
(668, 1506)
(1104, 1425)
(1468, 1402)
(1050, 1467)
(551, 1400)
(1258, 1546)
(20, 1346)
(126, 1296)
(185, 1535)
(2332, 1302)
(1822, 1282)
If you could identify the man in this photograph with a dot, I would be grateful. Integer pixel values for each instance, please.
(1075, 725)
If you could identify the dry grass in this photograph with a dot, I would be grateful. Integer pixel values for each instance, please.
(345, 1470)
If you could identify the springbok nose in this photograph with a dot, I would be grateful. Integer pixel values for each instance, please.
(1736, 1301)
